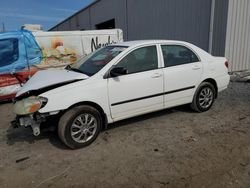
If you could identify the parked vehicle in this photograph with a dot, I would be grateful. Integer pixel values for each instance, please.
(117, 82)
(23, 53)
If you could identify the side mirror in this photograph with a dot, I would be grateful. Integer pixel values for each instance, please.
(118, 71)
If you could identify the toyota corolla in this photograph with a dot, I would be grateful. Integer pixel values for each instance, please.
(117, 82)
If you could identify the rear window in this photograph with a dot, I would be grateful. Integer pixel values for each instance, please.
(8, 51)
(178, 55)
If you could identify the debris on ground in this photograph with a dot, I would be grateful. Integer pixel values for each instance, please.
(240, 76)
(191, 139)
(22, 159)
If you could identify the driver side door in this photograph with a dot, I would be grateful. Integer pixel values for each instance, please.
(140, 90)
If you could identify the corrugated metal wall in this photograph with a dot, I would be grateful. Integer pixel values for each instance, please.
(219, 27)
(98, 12)
(238, 35)
(109, 9)
(187, 20)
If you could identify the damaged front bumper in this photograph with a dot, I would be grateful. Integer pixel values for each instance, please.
(32, 120)
(27, 113)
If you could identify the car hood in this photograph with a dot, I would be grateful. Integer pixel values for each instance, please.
(50, 79)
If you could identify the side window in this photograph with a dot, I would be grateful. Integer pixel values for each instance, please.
(8, 51)
(142, 59)
(177, 55)
(33, 51)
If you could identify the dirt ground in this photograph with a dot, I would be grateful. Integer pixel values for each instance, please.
(171, 148)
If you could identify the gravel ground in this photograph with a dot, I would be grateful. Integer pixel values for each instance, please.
(171, 148)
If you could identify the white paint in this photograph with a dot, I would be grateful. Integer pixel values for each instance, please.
(105, 92)
(48, 78)
(79, 41)
(8, 90)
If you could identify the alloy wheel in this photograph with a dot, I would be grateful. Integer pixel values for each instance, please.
(83, 128)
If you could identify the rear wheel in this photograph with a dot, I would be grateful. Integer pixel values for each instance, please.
(204, 97)
(80, 126)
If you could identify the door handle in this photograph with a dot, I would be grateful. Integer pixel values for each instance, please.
(156, 75)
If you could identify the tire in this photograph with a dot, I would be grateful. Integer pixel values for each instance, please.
(207, 92)
(79, 126)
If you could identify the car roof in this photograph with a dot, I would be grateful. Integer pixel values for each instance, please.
(148, 42)
(137, 43)
(17, 32)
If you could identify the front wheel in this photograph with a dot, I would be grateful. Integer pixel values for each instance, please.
(79, 126)
(204, 97)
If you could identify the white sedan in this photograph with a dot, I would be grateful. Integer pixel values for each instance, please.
(117, 82)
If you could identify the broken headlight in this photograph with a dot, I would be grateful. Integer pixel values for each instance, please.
(29, 105)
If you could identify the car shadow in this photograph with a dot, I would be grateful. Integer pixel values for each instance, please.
(25, 135)
(22, 134)
(183, 108)
(6, 102)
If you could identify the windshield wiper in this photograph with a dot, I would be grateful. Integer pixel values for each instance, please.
(74, 69)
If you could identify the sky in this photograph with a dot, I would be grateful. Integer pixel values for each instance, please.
(15, 13)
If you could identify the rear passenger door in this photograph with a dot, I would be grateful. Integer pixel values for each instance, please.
(182, 71)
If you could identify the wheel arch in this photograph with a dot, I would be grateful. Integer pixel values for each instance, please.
(214, 83)
(97, 107)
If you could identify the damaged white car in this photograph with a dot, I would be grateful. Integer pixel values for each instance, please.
(118, 82)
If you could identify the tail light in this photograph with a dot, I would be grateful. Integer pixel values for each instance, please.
(227, 64)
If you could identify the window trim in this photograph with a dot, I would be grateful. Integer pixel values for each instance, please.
(181, 45)
(132, 50)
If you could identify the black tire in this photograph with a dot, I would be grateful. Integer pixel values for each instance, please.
(65, 125)
(196, 105)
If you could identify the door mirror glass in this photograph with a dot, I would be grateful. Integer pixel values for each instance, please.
(118, 71)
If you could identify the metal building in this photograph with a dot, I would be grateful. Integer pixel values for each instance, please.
(221, 27)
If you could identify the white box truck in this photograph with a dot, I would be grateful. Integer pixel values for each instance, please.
(23, 53)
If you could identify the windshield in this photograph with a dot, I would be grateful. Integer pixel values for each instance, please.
(94, 62)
